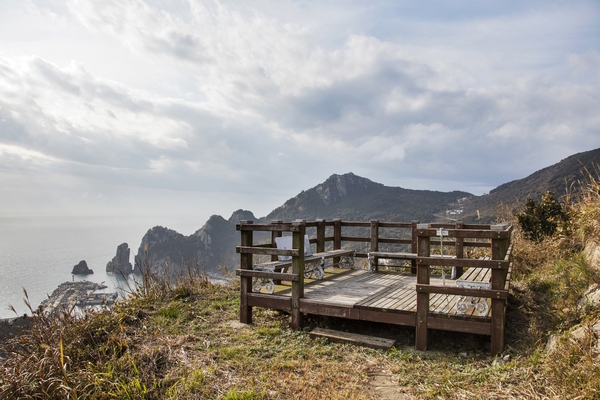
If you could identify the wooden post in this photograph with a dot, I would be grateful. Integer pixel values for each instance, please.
(320, 235)
(499, 249)
(422, 332)
(375, 242)
(413, 246)
(460, 253)
(337, 238)
(275, 234)
(246, 281)
(298, 268)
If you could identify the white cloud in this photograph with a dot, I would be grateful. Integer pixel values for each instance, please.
(231, 97)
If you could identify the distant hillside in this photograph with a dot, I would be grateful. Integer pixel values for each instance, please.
(557, 178)
(353, 198)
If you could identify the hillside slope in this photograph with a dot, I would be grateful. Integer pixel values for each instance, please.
(557, 178)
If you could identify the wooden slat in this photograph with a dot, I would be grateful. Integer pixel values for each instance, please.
(476, 244)
(277, 265)
(267, 227)
(386, 298)
(468, 275)
(267, 275)
(406, 300)
(308, 306)
(395, 241)
(353, 338)
(392, 255)
(463, 291)
(437, 301)
(373, 300)
(266, 251)
(446, 324)
(448, 307)
(271, 301)
(356, 224)
(355, 239)
(329, 254)
(467, 233)
(382, 298)
(387, 317)
(395, 224)
(452, 262)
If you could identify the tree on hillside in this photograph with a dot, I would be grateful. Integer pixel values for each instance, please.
(542, 219)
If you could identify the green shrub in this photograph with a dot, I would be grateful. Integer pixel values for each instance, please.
(544, 218)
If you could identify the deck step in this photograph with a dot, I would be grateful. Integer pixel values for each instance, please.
(354, 338)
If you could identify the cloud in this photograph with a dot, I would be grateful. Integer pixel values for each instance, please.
(270, 98)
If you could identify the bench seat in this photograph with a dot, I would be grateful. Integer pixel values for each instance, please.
(374, 255)
(474, 278)
(314, 264)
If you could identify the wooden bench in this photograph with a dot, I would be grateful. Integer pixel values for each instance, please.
(474, 278)
(374, 255)
(314, 263)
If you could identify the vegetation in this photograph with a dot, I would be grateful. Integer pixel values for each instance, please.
(180, 339)
(544, 218)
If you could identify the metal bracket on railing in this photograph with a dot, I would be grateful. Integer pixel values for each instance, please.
(479, 303)
(346, 262)
(372, 266)
(259, 283)
(317, 267)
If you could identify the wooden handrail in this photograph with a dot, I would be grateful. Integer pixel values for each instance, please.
(282, 276)
(267, 251)
(462, 291)
(464, 262)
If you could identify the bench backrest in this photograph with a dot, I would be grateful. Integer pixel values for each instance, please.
(285, 242)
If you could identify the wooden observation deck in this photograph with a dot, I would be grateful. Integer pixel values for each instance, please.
(418, 291)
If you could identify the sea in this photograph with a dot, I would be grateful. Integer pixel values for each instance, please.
(38, 253)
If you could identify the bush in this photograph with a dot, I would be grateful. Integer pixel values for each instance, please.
(544, 218)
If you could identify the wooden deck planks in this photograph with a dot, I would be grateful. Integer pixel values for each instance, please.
(385, 291)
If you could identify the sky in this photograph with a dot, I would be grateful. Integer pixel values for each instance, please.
(188, 108)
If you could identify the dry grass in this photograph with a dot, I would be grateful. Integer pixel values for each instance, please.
(180, 339)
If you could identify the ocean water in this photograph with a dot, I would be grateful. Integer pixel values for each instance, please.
(39, 253)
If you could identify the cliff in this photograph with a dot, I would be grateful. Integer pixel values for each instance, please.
(164, 250)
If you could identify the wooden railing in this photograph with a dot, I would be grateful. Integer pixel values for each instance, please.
(415, 237)
(500, 264)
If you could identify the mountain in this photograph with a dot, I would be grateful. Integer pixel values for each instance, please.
(353, 198)
(557, 178)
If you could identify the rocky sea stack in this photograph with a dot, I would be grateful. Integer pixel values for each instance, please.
(120, 263)
(82, 269)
